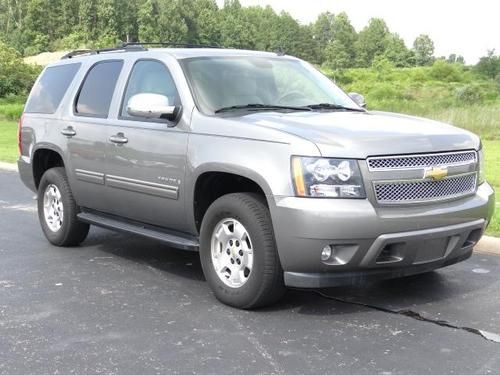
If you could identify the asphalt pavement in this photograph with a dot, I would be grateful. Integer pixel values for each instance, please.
(120, 304)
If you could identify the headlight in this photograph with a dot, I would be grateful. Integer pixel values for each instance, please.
(324, 177)
(482, 171)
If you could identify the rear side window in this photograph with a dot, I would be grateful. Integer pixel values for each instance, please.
(97, 90)
(48, 92)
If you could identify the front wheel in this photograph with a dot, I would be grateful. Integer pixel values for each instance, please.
(57, 210)
(238, 252)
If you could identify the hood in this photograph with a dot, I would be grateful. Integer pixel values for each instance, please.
(363, 134)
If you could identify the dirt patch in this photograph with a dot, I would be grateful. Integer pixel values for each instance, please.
(45, 58)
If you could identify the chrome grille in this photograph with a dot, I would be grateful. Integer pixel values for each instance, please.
(424, 190)
(422, 160)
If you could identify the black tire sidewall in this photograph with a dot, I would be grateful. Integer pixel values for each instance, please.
(229, 207)
(57, 177)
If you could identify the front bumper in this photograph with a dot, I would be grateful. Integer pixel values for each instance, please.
(374, 242)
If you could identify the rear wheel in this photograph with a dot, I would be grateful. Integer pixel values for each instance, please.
(238, 252)
(57, 210)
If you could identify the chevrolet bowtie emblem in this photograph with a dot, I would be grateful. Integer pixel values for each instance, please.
(436, 173)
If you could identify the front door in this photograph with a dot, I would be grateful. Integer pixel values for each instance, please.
(146, 158)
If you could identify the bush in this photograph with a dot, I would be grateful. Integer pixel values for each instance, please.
(489, 66)
(384, 90)
(383, 67)
(16, 77)
(469, 94)
(11, 111)
(75, 40)
(443, 71)
(419, 74)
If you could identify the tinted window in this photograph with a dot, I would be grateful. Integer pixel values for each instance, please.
(48, 92)
(97, 90)
(150, 77)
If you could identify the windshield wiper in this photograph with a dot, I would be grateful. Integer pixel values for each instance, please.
(334, 106)
(265, 107)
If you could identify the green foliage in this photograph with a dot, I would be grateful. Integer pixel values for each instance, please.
(443, 71)
(322, 31)
(8, 141)
(469, 94)
(337, 57)
(492, 156)
(34, 26)
(489, 65)
(397, 52)
(383, 67)
(340, 52)
(11, 111)
(372, 42)
(423, 48)
(447, 92)
(454, 58)
(161, 20)
(11, 107)
(16, 77)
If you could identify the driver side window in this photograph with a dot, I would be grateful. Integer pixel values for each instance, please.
(149, 77)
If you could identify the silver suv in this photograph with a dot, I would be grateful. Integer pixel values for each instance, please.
(256, 160)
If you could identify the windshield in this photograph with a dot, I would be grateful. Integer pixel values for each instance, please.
(222, 82)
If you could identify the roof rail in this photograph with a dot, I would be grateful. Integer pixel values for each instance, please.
(133, 46)
(76, 53)
(123, 48)
(170, 44)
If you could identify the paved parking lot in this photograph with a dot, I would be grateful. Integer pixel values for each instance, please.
(120, 304)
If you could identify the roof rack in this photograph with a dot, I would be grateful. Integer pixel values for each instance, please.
(124, 48)
(133, 46)
(170, 44)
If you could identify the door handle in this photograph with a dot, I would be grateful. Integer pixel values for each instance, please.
(118, 138)
(68, 132)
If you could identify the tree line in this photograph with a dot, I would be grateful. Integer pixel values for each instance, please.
(33, 26)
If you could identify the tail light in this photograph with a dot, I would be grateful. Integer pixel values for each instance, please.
(19, 135)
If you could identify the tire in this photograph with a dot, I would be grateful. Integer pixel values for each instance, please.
(60, 229)
(263, 284)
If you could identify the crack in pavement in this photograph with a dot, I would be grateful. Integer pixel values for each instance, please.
(490, 336)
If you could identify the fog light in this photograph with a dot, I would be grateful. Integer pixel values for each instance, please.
(326, 253)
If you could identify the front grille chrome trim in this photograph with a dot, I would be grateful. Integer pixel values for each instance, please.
(404, 162)
(465, 179)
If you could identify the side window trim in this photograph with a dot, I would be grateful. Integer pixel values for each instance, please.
(82, 83)
(124, 93)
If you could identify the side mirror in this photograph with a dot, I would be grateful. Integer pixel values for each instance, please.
(153, 106)
(358, 99)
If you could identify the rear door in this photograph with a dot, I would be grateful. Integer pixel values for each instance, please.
(86, 130)
(146, 158)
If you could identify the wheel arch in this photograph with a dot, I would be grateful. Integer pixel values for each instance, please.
(44, 157)
(222, 179)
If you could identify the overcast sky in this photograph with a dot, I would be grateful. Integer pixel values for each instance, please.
(464, 27)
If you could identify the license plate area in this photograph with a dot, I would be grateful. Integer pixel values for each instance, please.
(431, 250)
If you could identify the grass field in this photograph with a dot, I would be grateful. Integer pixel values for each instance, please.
(11, 107)
(8, 141)
(492, 154)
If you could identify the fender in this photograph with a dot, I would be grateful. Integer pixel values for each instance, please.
(235, 169)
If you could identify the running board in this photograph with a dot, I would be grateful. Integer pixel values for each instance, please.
(173, 239)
